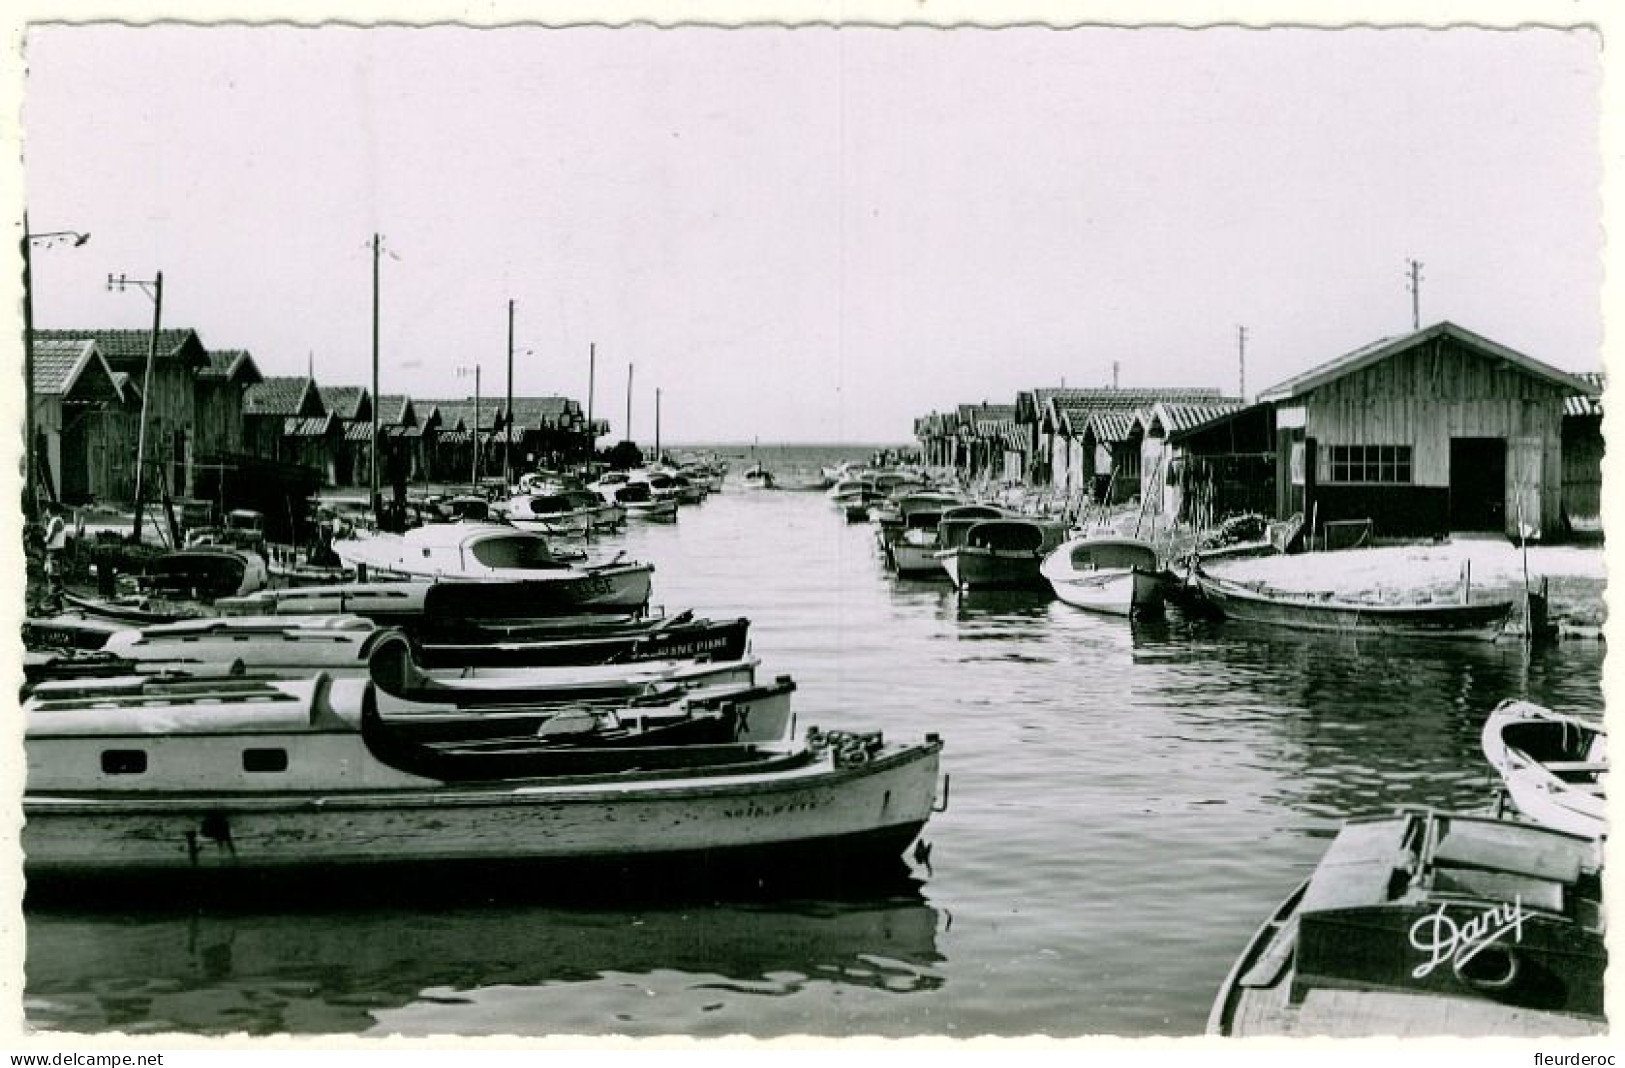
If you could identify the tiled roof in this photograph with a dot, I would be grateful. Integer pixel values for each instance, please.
(278, 395)
(126, 350)
(1178, 417)
(1110, 425)
(229, 363)
(359, 430)
(396, 408)
(970, 413)
(58, 361)
(1376, 351)
(546, 412)
(454, 411)
(346, 402)
(126, 385)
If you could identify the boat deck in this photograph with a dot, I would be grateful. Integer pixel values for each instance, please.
(1371, 1013)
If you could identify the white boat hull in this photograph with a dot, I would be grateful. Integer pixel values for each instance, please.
(1116, 593)
(814, 808)
(916, 561)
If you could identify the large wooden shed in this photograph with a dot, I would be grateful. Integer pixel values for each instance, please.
(1436, 431)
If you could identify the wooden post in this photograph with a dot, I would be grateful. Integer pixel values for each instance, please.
(146, 393)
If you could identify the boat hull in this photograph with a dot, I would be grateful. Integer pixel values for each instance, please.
(993, 569)
(916, 561)
(818, 808)
(1130, 592)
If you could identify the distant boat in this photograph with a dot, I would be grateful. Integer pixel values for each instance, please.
(1100, 573)
(999, 554)
(1430, 924)
(1258, 603)
(758, 477)
(1552, 765)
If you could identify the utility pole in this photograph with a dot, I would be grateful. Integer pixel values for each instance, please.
(507, 431)
(628, 402)
(657, 424)
(592, 435)
(1415, 275)
(377, 501)
(1241, 345)
(1115, 366)
(154, 289)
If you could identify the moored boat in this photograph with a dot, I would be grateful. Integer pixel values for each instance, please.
(311, 778)
(557, 513)
(1116, 576)
(179, 585)
(758, 477)
(1552, 766)
(460, 552)
(1259, 603)
(1430, 924)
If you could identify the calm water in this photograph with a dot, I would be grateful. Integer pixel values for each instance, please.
(1128, 803)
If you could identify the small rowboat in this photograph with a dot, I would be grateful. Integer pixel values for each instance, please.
(1117, 576)
(1257, 603)
(1552, 766)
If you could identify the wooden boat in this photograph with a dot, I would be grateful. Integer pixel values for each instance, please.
(638, 501)
(551, 513)
(913, 553)
(1117, 576)
(432, 607)
(1430, 924)
(1552, 766)
(677, 638)
(1002, 553)
(291, 646)
(1258, 603)
(179, 585)
(463, 552)
(311, 777)
(758, 477)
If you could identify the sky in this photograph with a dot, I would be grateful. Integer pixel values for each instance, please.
(816, 235)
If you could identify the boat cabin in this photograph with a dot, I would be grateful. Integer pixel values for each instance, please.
(956, 521)
(1009, 535)
(460, 548)
(1112, 554)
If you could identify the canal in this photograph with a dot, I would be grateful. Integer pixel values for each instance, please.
(1127, 804)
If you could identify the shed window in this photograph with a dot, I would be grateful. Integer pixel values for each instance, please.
(124, 761)
(265, 760)
(1389, 464)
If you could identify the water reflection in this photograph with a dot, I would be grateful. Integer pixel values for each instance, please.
(310, 972)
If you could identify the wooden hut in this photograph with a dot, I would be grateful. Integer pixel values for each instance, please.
(1159, 455)
(267, 407)
(352, 459)
(1225, 465)
(1435, 431)
(77, 425)
(169, 407)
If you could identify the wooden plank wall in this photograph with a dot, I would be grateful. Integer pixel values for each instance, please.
(1436, 392)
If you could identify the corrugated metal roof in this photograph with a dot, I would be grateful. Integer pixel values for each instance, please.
(1376, 351)
(359, 430)
(314, 426)
(1179, 417)
(1579, 405)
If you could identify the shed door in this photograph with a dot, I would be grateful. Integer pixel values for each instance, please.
(1480, 481)
(1523, 485)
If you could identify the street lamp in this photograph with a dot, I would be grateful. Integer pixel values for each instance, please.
(464, 372)
(47, 240)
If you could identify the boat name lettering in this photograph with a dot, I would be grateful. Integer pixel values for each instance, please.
(753, 810)
(1443, 939)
